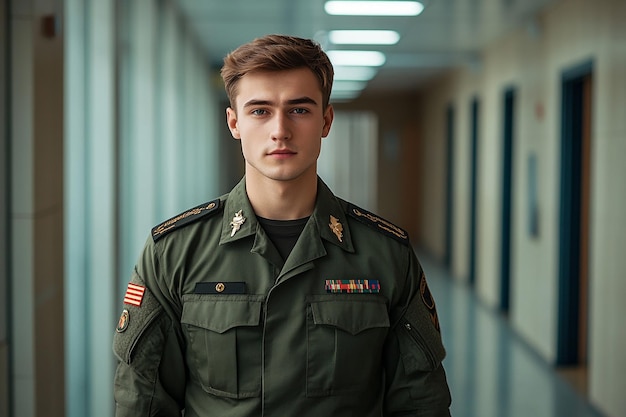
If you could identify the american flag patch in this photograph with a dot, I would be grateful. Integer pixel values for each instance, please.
(134, 294)
(360, 286)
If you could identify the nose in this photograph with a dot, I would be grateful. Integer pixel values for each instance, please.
(280, 127)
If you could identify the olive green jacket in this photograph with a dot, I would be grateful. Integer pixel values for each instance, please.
(215, 323)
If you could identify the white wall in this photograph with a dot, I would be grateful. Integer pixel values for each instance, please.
(608, 210)
(99, 154)
(348, 160)
(570, 33)
(90, 206)
(168, 124)
(140, 146)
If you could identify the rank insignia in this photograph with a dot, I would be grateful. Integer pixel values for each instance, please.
(236, 223)
(349, 286)
(185, 218)
(134, 294)
(336, 227)
(378, 223)
(122, 324)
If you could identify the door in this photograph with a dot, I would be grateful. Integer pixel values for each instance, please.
(576, 141)
(474, 114)
(449, 187)
(507, 185)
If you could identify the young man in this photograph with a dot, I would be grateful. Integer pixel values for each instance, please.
(279, 299)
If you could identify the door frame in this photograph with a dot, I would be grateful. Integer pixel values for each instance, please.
(7, 393)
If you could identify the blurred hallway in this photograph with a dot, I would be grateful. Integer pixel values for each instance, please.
(507, 168)
(492, 372)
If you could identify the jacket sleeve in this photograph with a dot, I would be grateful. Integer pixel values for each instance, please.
(416, 382)
(150, 376)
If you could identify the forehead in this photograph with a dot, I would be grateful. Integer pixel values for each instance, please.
(278, 86)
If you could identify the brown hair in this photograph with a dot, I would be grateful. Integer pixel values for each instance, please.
(277, 53)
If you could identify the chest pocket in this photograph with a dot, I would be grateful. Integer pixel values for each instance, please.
(345, 337)
(224, 343)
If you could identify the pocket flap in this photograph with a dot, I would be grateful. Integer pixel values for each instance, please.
(350, 316)
(220, 315)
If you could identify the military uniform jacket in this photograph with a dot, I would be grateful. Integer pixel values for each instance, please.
(215, 323)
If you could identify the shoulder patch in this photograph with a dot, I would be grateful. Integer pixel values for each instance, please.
(185, 218)
(378, 223)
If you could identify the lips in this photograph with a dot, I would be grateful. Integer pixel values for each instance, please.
(282, 152)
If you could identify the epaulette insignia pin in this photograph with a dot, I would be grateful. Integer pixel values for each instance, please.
(187, 217)
(336, 227)
(352, 286)
(237, 221)
(378, 223)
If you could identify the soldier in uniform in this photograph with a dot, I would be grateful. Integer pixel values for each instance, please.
(279, 299)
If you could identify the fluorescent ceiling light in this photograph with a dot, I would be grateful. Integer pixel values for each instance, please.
(342, 98)
(374, 8)
(354, 73)
(363, 37)
(337, 96)
(345, 94)
(357, 58)
(347, 85)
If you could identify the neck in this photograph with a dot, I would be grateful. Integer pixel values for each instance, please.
(282, 200)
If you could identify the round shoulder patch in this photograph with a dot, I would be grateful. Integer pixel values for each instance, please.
(122, 324)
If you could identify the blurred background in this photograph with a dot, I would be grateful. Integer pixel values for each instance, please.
(493, 131)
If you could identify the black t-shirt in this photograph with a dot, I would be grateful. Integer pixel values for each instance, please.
(283, 233)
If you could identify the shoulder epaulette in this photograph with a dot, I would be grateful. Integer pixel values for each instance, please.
(378, 223)
(184, 218)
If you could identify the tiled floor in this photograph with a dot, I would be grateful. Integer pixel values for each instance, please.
(491, 371)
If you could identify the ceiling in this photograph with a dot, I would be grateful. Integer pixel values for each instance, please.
(448, 33)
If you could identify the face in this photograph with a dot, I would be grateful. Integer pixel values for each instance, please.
(280, 122)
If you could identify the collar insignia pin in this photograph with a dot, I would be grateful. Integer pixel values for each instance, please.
(336, 227)
(236, 223)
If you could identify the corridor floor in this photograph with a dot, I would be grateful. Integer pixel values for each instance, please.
(491, 371)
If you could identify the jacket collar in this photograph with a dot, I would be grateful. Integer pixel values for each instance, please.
(236, 201)
(326, 205)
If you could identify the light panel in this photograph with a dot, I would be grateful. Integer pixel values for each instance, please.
(339, 96)
(363, 37)
(349, 85)
(357, 58)
(354, 73)
(374, 8)
(345, 94)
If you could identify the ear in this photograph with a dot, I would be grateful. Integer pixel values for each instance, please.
(231, 120)
(329, 115)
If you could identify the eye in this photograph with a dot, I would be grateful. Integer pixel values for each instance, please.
(300, 110)
(258, 112)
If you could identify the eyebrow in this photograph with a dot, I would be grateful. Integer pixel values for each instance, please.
(299, 100)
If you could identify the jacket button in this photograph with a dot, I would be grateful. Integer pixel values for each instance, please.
(408, 326)
(219, 287)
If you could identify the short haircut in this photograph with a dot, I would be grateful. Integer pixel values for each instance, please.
(277, 53)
